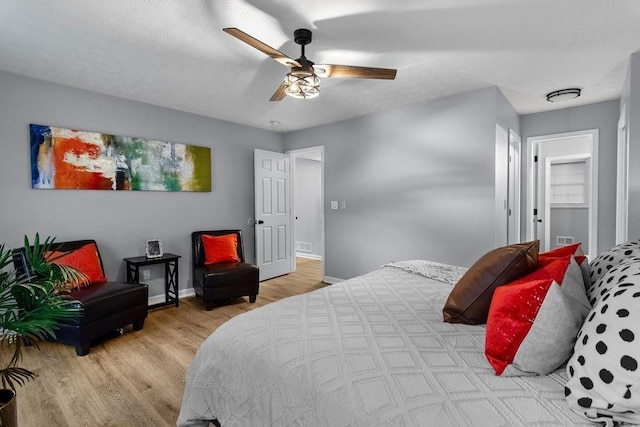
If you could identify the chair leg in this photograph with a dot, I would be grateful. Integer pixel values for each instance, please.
(252, 298)
(83, 348)
(138, 325)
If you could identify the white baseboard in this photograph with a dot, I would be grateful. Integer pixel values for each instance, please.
(331, 280)
(309, 256)
(182, 293)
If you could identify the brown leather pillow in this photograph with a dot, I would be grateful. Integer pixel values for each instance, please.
(470, 298)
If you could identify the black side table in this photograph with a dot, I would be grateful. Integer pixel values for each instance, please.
(170, 262)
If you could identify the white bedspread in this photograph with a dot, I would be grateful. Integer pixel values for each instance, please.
(372, 350)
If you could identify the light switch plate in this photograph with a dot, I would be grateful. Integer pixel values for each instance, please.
(334, 204)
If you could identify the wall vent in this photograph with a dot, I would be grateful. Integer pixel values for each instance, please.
(304, 247)
(564, 240)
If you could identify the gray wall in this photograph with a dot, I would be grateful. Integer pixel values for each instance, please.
(121, 221)
(570, 222)
(419, 183)
(507, 118)
(631, 95)
(308, 208)
(602, 116)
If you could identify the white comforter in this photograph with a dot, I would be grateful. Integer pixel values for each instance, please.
(372, 350)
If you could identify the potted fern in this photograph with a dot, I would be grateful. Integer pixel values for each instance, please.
(31, 304)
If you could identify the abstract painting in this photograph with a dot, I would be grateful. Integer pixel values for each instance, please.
(73, 159)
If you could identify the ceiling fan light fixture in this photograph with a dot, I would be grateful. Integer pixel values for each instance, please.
(302, 84)
(302, 81)
(563, 95)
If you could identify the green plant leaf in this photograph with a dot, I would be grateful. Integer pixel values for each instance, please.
(31, 305)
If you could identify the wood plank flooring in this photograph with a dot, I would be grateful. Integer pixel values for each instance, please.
(137, 379)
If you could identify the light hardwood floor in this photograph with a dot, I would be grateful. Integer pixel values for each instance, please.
(136, 379)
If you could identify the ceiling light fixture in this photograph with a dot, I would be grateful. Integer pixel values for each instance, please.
(302, 83)
(563, 95)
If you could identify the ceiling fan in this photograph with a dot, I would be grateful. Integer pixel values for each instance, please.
(303, 79)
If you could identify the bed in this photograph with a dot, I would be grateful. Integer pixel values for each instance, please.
(372, 350)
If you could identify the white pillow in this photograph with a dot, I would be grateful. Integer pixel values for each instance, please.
(622, 253)
(604, 371)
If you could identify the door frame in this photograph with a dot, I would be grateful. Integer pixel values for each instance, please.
(532, 143)
(513, 187)
(622, 187)
(554, 160)
(300, 153)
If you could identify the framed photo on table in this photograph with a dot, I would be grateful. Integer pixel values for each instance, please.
(154, 248)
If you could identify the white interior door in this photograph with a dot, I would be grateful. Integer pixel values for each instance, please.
(273, 214)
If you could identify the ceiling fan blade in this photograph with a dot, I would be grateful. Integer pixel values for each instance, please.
(262, 47)
(279, 94)
(352, 71)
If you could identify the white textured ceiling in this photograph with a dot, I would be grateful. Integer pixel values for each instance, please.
(173, 53)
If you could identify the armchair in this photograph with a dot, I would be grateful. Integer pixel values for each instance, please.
(106, 306)
(229, 278)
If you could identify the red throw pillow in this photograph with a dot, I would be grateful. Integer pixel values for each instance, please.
(470, 298)
(533, 321)
(84, 259)
(562, 251)
(220, 248)
(575, 250)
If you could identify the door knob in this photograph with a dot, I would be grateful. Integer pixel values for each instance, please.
(259, 222)
(539, 220)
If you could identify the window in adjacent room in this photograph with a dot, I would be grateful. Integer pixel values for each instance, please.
(568, 184)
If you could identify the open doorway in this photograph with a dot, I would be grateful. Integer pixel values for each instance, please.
(308, 205)
(562, 190)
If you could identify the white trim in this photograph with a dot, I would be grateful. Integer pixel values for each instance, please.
(182, 293)
(515, 141)
(331, 280)
(547, 183)
(532, 142)
(292, 214)
(622, 179)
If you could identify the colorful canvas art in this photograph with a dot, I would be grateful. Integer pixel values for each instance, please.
(72, 159)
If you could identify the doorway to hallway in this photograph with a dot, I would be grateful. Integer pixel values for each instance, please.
(308, 204)
(563, 190)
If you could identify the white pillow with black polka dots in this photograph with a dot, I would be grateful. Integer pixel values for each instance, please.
(604, 376)
(622, 253)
